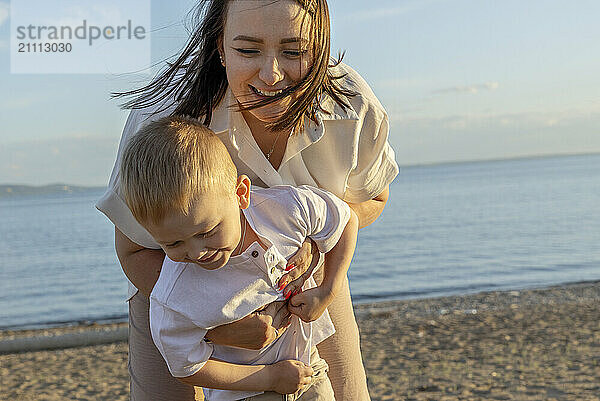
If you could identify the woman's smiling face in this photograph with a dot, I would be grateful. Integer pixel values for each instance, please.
(266, 50)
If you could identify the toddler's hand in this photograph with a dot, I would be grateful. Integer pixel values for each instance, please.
(310, 304)
(288, 377)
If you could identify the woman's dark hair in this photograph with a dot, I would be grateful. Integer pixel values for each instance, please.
(197, 81)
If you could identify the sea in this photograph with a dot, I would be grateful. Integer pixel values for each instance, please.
(447, 229)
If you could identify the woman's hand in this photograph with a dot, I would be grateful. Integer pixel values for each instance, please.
(256, 330)
(300, 267)
(264, 326)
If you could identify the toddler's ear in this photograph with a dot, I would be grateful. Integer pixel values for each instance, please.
(242, 191)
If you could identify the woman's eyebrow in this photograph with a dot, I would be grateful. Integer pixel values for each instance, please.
(248, 39)
(293, 40)
(257, 40)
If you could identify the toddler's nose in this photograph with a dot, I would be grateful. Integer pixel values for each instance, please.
(197, 254)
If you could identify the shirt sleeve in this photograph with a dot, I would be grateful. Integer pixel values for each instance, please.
(180, 342)
(324, 216)
(112, 203)
(376, 166)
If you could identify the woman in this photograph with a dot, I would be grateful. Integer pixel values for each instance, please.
(258, 73)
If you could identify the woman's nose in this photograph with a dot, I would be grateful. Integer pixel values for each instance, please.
(270, 73)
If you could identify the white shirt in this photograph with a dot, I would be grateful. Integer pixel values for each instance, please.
(188, 300)
(347, 153)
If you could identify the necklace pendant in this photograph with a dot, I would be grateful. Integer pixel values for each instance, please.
(270, 152)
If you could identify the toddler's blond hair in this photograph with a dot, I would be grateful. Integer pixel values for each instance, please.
(168, 163)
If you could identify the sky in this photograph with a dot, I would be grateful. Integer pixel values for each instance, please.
(461, 80)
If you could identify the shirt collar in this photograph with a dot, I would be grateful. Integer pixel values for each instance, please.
(221, 116)
(227, 120)
(331, 110)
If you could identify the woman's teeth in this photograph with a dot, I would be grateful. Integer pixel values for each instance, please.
(267, 93)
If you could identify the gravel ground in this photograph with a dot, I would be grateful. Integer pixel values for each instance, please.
(517, 345)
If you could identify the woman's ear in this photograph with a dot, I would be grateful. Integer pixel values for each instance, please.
(242, 191)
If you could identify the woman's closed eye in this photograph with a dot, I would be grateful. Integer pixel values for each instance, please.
(294, 53)
(289, 53)
(246, 51)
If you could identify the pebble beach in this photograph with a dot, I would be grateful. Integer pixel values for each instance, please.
(539, 344)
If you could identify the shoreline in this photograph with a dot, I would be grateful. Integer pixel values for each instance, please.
(94, 333)
(534, 344)
(419, 305)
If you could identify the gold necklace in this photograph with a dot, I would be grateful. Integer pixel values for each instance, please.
(270, 152)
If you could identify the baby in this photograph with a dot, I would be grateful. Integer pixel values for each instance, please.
(226, 247)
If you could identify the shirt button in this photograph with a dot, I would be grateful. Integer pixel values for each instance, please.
(254, 254)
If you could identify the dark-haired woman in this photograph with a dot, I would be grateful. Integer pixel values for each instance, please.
(258, 72)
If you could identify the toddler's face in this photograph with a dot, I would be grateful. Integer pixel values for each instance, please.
(207, 236)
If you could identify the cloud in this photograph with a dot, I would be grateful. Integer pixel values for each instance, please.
(386, 12)
(4, 12)
(378, 13)
(18, 102)
(472, 89)
(401, 83)
(3, 44)
(77, 160)
(474, 136)
(99, 15)
(518, 120)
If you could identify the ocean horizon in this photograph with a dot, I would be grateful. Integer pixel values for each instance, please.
(448, 229)
(67, 186)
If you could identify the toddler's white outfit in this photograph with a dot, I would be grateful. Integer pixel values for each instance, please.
(188, 300)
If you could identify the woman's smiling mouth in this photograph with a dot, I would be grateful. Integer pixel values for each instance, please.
(265, 93)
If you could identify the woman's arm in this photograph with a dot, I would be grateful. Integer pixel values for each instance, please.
(367, 212)
(311, 304)
(370, 210)
(140, 265)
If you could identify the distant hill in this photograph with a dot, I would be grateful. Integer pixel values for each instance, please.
(9, 191)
